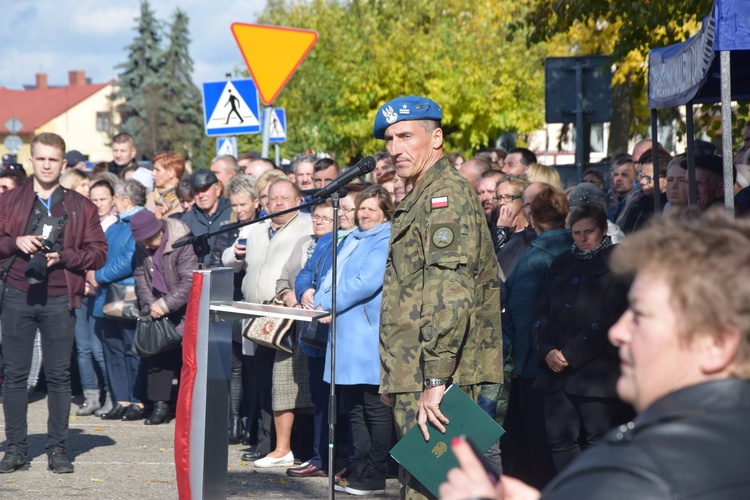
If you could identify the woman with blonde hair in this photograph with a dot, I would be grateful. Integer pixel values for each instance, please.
(77, 180)
(539, 172)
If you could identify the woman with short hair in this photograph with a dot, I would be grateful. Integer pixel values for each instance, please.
(361, 267)
(124, 369)
(581, 299)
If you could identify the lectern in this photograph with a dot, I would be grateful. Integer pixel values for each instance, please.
(201, 448)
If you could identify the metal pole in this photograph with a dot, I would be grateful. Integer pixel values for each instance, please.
(332, 394)
(580, 134)
(690, 130)
(276, 150)
(266, 130)
(655, 156)
(726, 132)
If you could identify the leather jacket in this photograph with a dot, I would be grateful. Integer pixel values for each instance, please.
(693, 443)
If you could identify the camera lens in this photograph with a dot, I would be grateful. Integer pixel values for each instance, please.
(36, 269)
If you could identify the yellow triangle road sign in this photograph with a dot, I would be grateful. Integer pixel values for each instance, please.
(272, 54)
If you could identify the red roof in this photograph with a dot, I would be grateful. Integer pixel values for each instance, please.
(36, 107)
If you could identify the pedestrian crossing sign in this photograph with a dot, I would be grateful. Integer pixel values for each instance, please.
(231, 107)
(277, 127)
(226, 146)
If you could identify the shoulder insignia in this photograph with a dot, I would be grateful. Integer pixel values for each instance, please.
(442, 237)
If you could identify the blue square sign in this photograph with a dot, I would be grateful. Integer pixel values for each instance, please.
(277, 127)
(231, 107)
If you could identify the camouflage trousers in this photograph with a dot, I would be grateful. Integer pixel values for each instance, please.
(405, 410)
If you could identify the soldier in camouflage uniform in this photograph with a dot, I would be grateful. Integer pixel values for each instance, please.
(440, 315)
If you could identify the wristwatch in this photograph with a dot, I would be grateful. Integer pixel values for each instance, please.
(429, 383)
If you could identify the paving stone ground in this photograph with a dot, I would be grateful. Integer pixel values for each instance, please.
(124, 460)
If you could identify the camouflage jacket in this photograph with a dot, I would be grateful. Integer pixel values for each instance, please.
(440, 315)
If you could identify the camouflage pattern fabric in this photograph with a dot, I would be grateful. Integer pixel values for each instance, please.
(440, 315)
(405, 409)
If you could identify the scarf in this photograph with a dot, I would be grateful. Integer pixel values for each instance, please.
(127, 214)
(579, 255)
(158, 282)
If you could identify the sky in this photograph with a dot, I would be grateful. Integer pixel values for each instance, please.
(56, 36)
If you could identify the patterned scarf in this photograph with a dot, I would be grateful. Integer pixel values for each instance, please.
(579, 255)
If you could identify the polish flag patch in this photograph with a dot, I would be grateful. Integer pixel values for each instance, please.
(439, 202)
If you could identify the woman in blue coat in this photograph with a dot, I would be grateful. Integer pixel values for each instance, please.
(361, 266)
(126, 374)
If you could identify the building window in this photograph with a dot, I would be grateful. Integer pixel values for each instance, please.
(103, 121)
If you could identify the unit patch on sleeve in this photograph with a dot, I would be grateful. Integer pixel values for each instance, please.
(443, 236)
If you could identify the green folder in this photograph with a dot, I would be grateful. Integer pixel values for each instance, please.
(429, 462)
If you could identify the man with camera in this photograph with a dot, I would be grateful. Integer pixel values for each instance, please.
(49, 237)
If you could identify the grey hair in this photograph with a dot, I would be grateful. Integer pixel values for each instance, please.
(133, 190)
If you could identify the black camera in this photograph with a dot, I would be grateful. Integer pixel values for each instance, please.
(49, 228)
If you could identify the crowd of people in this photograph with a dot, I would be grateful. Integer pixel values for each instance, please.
(483, 273)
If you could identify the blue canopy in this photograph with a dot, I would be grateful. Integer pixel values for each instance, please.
(689, 71)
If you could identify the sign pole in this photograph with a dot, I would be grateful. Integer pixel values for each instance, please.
(266, 130)
(276, 150)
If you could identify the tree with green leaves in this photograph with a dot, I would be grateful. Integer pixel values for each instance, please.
(135, 84)
(160, 103)
(180, 108)
(369, 52)
(627, 31)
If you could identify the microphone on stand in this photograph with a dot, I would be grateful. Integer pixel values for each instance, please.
(363, 167)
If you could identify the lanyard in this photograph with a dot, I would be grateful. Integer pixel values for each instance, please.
(47, 204)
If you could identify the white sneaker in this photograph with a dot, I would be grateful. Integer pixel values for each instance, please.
(285, 461)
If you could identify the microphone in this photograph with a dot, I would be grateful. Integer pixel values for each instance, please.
(364, 166)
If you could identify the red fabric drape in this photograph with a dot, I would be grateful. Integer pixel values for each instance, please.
(187, 382)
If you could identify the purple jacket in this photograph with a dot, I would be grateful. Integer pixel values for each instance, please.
(178, 265)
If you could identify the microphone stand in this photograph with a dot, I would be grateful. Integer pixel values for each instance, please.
(200, 242)
(332, 412)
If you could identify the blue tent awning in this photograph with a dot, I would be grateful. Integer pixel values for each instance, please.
(689, 71)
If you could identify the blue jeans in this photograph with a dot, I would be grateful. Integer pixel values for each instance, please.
(22, 314)
(89, 350)
(127, 372)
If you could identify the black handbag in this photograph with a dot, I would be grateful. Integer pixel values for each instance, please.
(314, 334)
(154, 336)
(120, 302)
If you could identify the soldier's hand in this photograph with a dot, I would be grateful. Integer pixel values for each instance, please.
(429, 409)
(29, 244)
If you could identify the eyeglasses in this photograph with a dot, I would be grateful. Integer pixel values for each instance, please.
(507, 197)
(320, 218)
(346, 210)
(647, 178)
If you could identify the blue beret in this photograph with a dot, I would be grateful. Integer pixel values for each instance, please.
(405, 108)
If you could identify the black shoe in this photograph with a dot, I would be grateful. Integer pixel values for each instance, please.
(13, 461)
(235, 429)
(246, 438)
(252, 456)
(58, 462)
(115, 413)
(134, 412)
(367, 483)
(158, 415)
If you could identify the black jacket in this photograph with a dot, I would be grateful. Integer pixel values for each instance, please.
(580, 301)
(691, 444)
